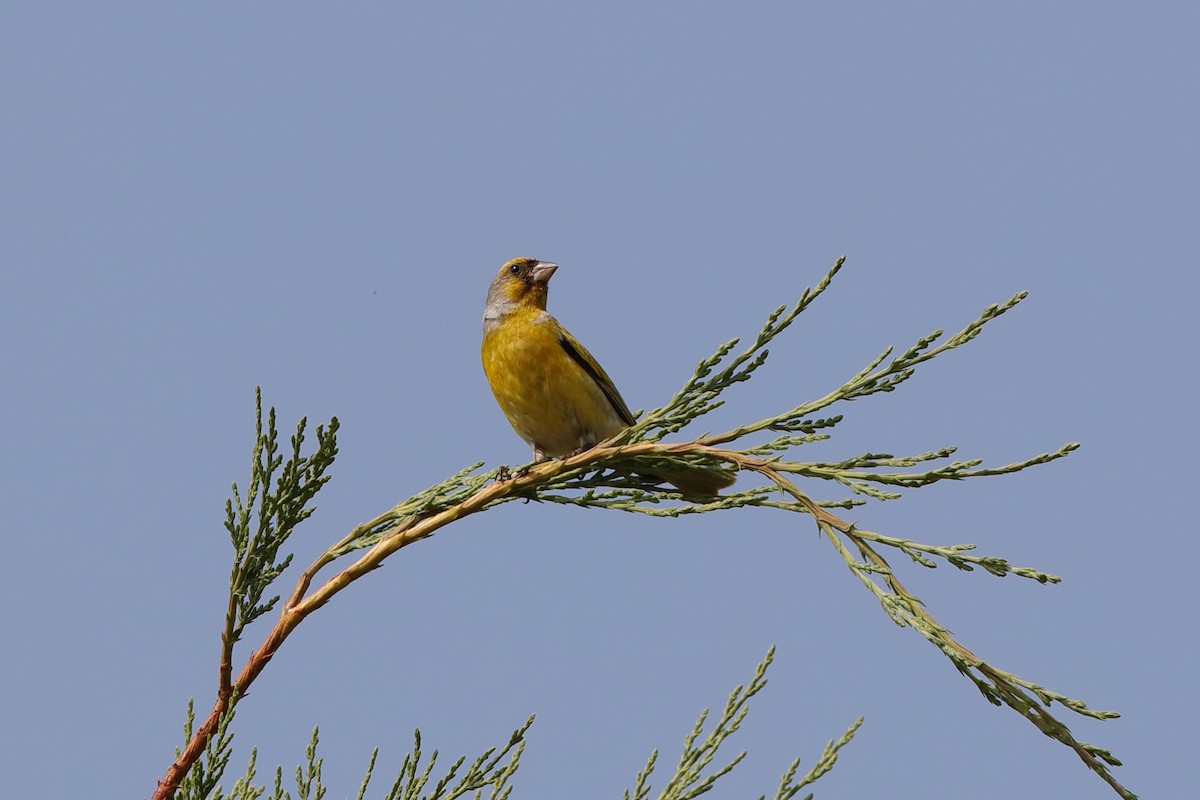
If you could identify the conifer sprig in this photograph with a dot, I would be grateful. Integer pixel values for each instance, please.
(260, 524)
(700, 394)
(694, 774)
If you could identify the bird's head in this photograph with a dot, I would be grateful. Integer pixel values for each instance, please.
(520, 283)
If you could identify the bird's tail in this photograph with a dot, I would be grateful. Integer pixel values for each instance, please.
(698, 484)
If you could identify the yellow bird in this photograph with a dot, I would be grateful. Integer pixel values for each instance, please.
(555, 394)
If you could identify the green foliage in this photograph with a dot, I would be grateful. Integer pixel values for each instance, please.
(437, 498)
(692, 776)
(260, 524)
(491, 771)
(700, 394)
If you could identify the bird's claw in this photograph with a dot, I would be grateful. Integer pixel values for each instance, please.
(503, 473)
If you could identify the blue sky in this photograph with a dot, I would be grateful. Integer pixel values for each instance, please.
(197, 200)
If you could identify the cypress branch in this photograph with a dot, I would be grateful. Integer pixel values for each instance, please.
(617, 474)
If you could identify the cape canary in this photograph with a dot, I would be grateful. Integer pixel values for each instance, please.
(555, 394)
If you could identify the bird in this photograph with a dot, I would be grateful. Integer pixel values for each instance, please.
(554, 393)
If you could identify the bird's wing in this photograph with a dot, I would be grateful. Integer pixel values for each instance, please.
(584, 359)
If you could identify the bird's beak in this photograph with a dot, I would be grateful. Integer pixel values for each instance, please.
(542, 271)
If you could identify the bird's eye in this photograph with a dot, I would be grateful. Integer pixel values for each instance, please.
(514, 269)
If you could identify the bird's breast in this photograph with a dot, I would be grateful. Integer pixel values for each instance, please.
(551, 402)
